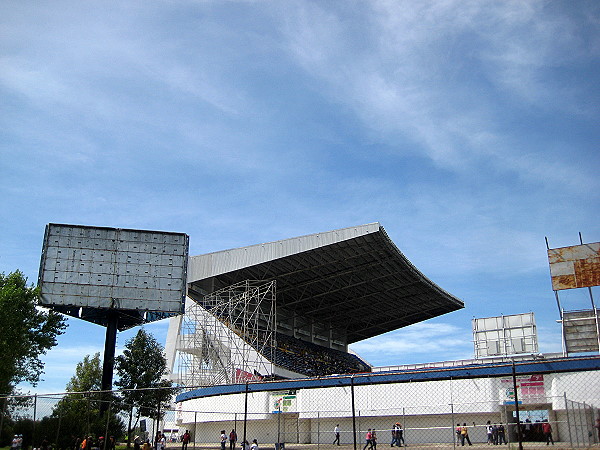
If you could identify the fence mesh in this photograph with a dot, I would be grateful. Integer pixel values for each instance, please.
(524, 411)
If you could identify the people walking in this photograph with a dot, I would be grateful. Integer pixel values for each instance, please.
(489, 429)
(185, 440)
(336, 432)
(547, 430)
(464, 435)
(400, 435)
(501, 435)
(232, 439)
(367, 440)
(394, 435)
(223, 439)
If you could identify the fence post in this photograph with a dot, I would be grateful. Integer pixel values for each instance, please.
(452, 430)
(319, 430)
(589, 424)
(568, 420)
(582, 425)
(34, 419)
(245, 416)
(514, 376)
(158, 419)
(278, 446)
(353, 410)
(195, 429)
(404, 425)
(106, 437)
(87, 414)
(58, 429)
(2, 414)
(596, 424)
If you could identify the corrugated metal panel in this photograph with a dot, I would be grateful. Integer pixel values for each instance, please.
(212, 264)
(346, 280)
(581, 330)
(575, 267)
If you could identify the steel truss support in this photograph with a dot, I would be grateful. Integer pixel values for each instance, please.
(227, 336)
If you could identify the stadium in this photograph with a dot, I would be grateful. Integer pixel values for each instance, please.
(263, 345)
(291, 308)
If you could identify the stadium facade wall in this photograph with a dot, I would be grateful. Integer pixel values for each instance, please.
(428, 409)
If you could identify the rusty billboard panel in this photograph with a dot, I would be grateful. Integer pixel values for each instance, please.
(575, 267)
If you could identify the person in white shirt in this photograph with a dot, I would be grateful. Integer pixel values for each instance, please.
(336, 431)
(223, 439)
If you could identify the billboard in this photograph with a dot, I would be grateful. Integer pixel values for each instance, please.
(283, 402)
(505, 335)
(530, 390)
(88, 271)
(575, 267)
(580, 330)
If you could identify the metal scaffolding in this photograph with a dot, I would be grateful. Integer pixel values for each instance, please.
(227, 336)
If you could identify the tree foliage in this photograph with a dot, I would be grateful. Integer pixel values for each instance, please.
(88, 375)
(142, 369)
(27, 332)
(80, 409)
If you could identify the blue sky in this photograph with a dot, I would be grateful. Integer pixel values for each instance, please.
(468, 129)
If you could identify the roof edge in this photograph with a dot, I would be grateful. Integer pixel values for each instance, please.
(204, 266)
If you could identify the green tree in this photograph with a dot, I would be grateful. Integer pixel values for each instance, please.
(142, 369)
(79, 411)
(27, 332)
(88, 375)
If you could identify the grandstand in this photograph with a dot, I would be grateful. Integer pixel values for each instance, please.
(291, 308)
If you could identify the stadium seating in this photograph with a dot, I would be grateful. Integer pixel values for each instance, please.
(312, 359)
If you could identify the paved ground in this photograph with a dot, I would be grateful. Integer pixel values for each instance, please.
(526, 446)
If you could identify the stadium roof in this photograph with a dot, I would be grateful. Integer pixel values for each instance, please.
(352, 278)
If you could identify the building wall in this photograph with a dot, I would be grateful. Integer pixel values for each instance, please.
(428, 410)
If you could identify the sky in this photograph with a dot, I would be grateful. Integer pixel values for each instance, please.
(468, 128)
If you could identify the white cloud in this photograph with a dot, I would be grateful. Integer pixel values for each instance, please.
(413, 83)
(422, 342)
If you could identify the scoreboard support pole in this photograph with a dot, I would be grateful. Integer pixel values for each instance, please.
(108, 365)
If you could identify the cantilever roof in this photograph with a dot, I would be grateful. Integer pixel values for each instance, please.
(353, 278)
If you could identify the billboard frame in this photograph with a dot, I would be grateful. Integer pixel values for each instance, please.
(591, 264)
(103, 261)
(505, 335)
(88, 271)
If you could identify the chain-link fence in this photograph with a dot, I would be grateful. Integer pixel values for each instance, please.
(419, 409)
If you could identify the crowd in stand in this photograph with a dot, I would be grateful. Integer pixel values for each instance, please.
(312, 359)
